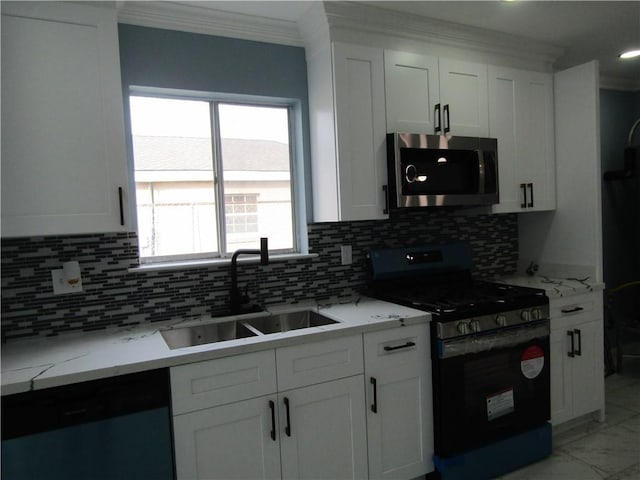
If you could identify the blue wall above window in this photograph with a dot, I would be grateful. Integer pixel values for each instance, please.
(188, 61)
(168, 59)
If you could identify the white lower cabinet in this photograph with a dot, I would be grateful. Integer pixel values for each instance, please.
(310, 431)
(577, 359)
(327, 431)
(228, 442)
(399, 402)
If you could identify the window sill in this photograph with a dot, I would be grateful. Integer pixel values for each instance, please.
(218, 262)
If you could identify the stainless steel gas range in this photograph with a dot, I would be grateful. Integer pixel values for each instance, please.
(490, 358)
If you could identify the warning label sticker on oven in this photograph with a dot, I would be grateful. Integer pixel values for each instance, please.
(499, 404)
(532, 362)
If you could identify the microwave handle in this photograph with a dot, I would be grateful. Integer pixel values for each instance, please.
(437, 119)
(482, 171)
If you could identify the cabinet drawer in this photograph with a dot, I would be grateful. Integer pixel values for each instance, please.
(567, 311)
(225, 380)
(397, 347)
(317, 362)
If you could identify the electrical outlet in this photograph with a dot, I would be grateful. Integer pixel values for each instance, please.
(61, 285)
(345, 255)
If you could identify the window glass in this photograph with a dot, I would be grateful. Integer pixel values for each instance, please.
(200, 162)
(257, 180)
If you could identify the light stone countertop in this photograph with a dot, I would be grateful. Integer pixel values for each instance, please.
(45, 362)
(556, 286)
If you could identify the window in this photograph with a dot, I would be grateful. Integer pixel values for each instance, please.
(211, 177)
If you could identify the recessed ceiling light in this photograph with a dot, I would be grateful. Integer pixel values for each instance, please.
(630, 54)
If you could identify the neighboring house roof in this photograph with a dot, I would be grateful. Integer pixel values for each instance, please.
(186, 153)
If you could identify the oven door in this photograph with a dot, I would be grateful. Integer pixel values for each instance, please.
(495, 386)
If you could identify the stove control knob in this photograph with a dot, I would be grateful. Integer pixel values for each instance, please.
(501, 320)
(463, 328)
(525, 315)
(474, 326)
(536, 313)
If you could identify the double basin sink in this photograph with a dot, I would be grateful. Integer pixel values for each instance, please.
(243, 328)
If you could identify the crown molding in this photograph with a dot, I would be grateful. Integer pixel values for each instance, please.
(372, 19)
(345, 15)
(208, 21)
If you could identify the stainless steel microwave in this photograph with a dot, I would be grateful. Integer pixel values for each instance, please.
(436, 170)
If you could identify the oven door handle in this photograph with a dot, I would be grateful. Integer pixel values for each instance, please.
(572, 351)
(398, 347)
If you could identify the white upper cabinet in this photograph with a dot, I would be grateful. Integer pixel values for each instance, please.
(425, 94)
(63, 153)
(463, 94)
(521, 118)
(412, 92)
(348, 142)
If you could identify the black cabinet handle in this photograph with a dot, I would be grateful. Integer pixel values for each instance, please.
(523, 186)
(385, 189)
(398, 347)
(374, 405)
(437, 126)
(121, 206)
(572, 310)
(272, 406)
(287, 429)
(445, 118)
(571, 351)
(578, 333)
(530, 185)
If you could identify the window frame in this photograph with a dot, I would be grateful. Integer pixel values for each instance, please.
(296, 169)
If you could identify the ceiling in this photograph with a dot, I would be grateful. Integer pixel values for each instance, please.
(585, 30)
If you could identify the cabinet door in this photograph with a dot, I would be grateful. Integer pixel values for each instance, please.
(537, 140)
(310, 363)
(63, 155)
(399, 402)
(463, 87)
(200, 385)
(577, 382)
(521, 118)
(561, 377)
(228, 442)
(412, 92)
(361, 131)
(327, 436)
(588, 368)
(503, 122)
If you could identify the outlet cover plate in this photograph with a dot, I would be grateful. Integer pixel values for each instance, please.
(60, 284)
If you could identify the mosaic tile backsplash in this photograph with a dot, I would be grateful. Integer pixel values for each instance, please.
(114, 296)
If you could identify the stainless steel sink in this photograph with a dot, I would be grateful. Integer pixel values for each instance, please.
(202, 334)
(284, 322)
(263, 324)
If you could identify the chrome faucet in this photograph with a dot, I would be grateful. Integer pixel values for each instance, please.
(237, 299)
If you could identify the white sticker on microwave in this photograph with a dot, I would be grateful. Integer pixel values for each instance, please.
(500, 404)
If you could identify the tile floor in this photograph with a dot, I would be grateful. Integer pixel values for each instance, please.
(596, 451)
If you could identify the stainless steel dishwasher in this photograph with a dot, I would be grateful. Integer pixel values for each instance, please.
(114, 428)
